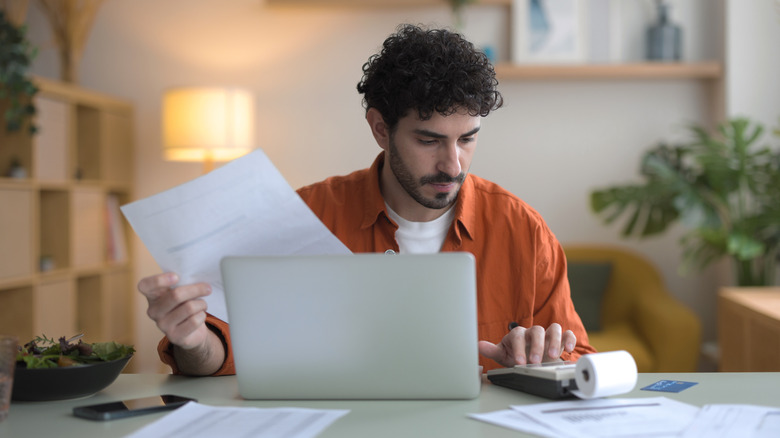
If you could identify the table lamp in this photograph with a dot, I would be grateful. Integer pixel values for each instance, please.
(207, 124)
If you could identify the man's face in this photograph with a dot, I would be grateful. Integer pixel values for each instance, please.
(429, 160)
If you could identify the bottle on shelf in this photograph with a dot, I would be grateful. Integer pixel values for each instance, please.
(664, 39)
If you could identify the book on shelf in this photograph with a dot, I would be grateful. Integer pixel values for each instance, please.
(116, 247)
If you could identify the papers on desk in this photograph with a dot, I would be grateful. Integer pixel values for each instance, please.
(242, 208)
(602, 417)
(630, 417)
(725, 421)
(195, 420)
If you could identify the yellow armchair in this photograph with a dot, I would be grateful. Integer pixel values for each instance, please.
(639, 314)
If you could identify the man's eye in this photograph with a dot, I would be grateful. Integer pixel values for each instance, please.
(467, 139)
(427, 142)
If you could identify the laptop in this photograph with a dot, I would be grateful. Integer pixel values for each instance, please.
(359, 326)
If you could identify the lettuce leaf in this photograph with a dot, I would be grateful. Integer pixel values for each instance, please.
(43, 352)
(111, 350)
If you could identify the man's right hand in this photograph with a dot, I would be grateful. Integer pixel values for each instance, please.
(180, 312)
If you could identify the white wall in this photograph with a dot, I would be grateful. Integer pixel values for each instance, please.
(551, 144)
(753, 74)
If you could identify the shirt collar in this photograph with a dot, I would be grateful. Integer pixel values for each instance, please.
(374, 203)
(465, 209)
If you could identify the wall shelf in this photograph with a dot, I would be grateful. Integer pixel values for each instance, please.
(644, 70)
(508, 71)
(376, 3)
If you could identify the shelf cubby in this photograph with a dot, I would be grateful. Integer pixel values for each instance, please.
(53, 142)
(16, 231)
(55, 236)
(17, 313)
(90, 316)
(55, 306)
(87, 227)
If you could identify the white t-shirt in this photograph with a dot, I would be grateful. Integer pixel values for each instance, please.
(421, 237)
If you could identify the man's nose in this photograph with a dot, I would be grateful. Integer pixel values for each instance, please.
(449, 159)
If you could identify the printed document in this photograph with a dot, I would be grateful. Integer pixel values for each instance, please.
(598, 418)
(726, 421)
(195, 420)
(243, 208)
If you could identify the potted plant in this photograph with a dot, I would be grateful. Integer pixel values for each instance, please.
(724, 188)
(16, 54)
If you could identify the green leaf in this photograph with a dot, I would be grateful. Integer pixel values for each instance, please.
(701, 248)
(111, 350)
(744, 247)
(38, 361)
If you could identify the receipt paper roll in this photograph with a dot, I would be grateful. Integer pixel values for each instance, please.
(605, 374)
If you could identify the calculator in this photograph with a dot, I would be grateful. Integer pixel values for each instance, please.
(553, 380)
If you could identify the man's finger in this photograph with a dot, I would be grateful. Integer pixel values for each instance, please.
(489, 350)
(515, 344)
(171, 299)
(189, 332)
(569, 340)
(553, 341)
(181, 313)
(534, 343)
(152, 287)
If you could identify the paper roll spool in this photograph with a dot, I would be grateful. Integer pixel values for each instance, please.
(605, 374)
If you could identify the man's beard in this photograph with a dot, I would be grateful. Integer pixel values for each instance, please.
(412, 187)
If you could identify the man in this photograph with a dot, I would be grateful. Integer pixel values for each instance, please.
(425, 94)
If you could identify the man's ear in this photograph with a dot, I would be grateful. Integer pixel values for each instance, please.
(379, 128)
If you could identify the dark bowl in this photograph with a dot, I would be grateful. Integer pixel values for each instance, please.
(45, 384)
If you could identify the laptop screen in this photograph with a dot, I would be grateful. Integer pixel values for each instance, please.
(360, 326)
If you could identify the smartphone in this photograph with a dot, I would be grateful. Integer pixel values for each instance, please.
(130, 408)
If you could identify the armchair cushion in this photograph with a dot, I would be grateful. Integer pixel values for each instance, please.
(639, 314)
(624, 337)
(588, 282)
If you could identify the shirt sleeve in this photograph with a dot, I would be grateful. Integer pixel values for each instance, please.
(221, 329)
(558, 306)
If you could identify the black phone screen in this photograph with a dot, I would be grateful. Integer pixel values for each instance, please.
(132, 407)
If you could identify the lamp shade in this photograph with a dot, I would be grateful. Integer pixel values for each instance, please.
(207, 124)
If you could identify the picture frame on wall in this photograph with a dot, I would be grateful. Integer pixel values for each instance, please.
(549, 31)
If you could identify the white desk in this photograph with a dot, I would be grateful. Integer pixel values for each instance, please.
(367, 418)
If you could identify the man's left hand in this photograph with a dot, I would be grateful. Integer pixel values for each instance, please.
(530, 345)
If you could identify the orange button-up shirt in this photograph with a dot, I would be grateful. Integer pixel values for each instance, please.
(521, 266)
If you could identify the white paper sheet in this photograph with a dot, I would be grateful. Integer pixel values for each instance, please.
(605, 417)
(242, 208)
(518, 421)
(195, 420)
(745, 421)
(614, 417)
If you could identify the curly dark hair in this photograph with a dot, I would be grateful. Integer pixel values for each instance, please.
(428, 70)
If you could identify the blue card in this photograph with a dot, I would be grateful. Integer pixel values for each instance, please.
(669, 386)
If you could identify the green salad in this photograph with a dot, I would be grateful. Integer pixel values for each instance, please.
(43, 352)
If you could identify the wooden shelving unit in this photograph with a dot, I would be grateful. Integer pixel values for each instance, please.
(65, 262)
